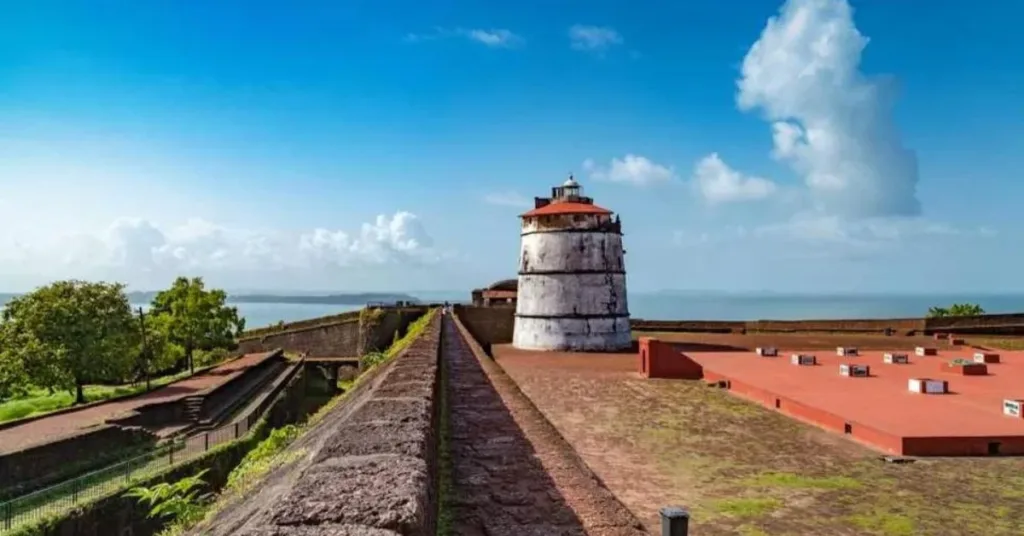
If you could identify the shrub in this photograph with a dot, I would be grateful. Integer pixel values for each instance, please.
(957, 309)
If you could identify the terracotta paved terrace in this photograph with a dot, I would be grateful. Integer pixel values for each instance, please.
(52, 428)
(880, 410)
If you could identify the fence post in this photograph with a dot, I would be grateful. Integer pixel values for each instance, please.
(675, 521)
(171, 461)
(206, 441)
(8, 514)
(236, 429)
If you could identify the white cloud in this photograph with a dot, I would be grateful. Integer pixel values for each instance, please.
(132, 247)
(830, 123)
(508, 199)
(495, 38)
(719, 183)
(593, 38)
(632, 169)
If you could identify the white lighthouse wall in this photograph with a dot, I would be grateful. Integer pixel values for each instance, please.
(572, 294)
(570, 252)
(565, 221)
(572, 334)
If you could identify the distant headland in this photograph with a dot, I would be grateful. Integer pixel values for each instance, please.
(355, 298)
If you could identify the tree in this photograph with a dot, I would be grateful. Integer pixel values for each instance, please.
(156, 350)
(71, 333)
(196, 318)
(13, 376)
(957, 309)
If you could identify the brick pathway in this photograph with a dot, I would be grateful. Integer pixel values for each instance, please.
(513, 474)
(55, 427)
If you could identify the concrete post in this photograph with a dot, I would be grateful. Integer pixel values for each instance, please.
(675, 521)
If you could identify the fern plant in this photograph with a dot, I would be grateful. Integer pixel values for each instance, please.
(180, 503)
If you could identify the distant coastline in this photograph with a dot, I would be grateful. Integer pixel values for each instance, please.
(330, 299)
(357, 298)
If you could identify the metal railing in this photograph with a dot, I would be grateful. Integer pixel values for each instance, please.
(84, 488)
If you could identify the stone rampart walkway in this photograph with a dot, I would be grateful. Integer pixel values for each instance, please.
(513, 474)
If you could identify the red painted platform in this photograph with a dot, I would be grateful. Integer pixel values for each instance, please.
(880, 411)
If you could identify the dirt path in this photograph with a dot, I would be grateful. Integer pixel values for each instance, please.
(513, 474)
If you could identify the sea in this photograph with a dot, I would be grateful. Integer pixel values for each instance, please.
(703, 306)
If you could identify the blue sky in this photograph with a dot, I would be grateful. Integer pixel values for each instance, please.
(390, 145)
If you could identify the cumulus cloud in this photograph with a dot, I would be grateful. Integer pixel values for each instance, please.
(495, 38)
(832, 124)
(138, 246)
(718, 183)
(593, 38)
(508, 199)
(632, 169)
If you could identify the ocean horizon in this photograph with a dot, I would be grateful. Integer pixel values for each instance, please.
(699, 305)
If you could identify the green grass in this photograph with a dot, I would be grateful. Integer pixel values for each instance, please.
(445, 521)
(794, 481)
(884, 523)
(747, 506)
(40, 401)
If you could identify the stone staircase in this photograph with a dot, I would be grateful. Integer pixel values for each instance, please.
(193, 408)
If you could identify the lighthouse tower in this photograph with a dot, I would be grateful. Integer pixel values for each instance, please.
(572, 276)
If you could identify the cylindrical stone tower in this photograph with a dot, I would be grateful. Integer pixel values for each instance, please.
(572, 276)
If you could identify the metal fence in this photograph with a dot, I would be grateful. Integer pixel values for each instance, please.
(84, 488)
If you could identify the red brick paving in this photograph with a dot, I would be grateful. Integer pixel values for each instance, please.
(513, 474)
(55, 427)
(882, 403)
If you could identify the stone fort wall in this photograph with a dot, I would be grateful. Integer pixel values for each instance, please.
(349, 334)
(494, 325)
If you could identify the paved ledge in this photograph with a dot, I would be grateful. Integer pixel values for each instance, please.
(368, 469)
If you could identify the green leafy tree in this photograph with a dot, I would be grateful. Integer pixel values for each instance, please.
(197, 318)
(157, 352)
(957, 309)
(13, 376)
(71, 333)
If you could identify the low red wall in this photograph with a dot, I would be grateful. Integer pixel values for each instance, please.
(656, 359)
(1008, 324)
(494, 325)
(691, 326)
(998, 324)
(962, 446)
(901, 325)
